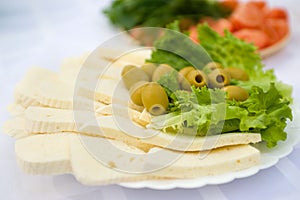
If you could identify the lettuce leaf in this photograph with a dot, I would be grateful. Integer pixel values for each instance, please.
(205, 111)
(233, 52)
(263, 112)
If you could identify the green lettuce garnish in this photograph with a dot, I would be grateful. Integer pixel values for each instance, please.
(205, 111)
(233, 52)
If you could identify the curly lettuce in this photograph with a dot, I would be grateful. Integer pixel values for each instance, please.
(205, 111)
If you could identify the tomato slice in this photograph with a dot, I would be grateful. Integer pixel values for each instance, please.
(255, 36)
(219, 25)
(260, 4)
(247, 15)
(280, 26)
(194, 34)
(277, 13)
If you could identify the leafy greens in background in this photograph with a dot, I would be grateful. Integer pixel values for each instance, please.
(178, 50)
(128, 14)
(206, 110)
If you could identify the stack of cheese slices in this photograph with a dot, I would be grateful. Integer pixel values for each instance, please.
(49, 140)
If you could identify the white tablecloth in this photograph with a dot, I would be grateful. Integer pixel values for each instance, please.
(42, 33)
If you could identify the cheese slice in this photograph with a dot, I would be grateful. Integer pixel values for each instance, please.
(16, 128)
(44, 154)
(57, 94)
(49, 120)
(45, 120)
(91, 67)
(97, 161)
(41, 87)
(137, 57)
(26, 91)
(91, 171)
(102, 91)
(15, 109)
(207, 163)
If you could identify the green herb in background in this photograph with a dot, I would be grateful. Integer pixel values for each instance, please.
(178, 50)
(128, 14)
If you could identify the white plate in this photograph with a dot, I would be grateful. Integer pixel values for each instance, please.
(269, 157)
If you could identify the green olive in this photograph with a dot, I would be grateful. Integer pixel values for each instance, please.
(195, 77)
(132, 74)
(136, 92)
(218, 78)
(236, 93)
(149, 68)
(237, 73)
(155, 99)
(160, 71)
(183, 72)
(213, 65)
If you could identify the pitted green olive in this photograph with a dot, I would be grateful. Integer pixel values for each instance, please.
(237, 73)
(213, 65)
(155, 98)
(161, 70)
(136, 92)
(149, 68)
(218, 78)
(183, 72)
(236, 93)
(132, 74)
(196, 78)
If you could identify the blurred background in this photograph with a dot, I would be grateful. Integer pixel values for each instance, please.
(29, 29)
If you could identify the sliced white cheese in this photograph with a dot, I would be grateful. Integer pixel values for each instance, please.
(26, 91)
(103, 91)
(45, 120)
(16, 128)
(136, 57)
(50, 120)
(16, 109)
(44, 154)
(208, 163)
(90, 170)
(55, 93)
(92, 162)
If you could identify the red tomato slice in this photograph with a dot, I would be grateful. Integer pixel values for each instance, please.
(280, 26)
(270, 32)
(219, 25)
(247, 15)
(277, 13)
(194, 34)
(259, 4)
(258, 37)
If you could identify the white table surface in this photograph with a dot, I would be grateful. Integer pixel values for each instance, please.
(42, 33)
